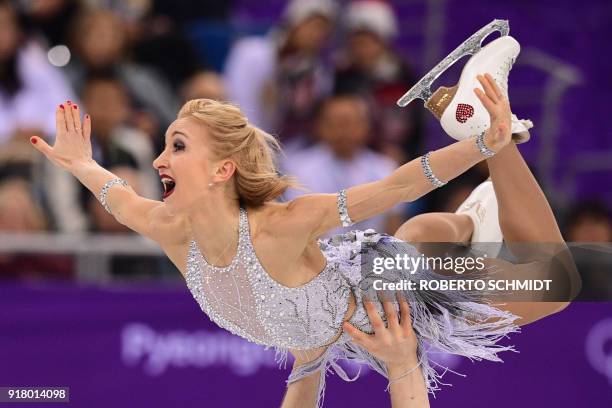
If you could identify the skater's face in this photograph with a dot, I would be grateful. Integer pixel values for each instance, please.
(187, 166)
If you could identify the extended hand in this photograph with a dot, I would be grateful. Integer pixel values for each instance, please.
(72, 146)
(499, 133)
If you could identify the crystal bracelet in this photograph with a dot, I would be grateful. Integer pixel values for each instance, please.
(104, 191)
(342, 210)
(403, 375)
(486, 152)
(428, 172)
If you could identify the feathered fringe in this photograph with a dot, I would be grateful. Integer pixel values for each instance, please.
(461, 323)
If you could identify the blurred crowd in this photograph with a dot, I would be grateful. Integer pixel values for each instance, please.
(324, 80)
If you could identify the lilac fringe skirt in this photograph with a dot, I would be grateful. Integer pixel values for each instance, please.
(457, 322)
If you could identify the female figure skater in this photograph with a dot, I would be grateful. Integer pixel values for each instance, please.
(279, 285)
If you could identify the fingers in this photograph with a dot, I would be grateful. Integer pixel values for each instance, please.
(486, 101)
(69, 117)
(40, 145)
(392, 318)
(87, 132)
(357, 335)
(76, 118)
(375, 318)
(493, 84)
(87, 127)
(406, 319)
(60, 120)
(489, 90)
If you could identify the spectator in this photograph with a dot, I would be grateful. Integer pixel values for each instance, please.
(277, 80)
(371, 66)
(30, 87)
(203, 84)
(158, 41)
(589, 221)
(18, 209)
(107, 102)
(586, 223)
(341, 159)
(49, 20)
(99, 43)
(19, 213)
(17, 158)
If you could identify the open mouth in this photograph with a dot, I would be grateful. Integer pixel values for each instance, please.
(169, 184)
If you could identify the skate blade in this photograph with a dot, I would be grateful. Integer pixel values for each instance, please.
(421, 90)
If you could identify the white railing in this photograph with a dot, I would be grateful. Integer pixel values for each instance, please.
(92, 252)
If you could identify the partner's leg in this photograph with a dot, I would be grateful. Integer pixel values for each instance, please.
(524, 212)
(436, 227)
(532, 235)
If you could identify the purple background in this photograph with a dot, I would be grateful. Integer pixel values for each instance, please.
(66, 335)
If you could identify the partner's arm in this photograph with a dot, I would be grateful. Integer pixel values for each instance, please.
(395, 345)
(408, 182)
(72, 152)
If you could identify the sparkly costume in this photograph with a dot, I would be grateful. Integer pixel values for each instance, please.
(245, 300)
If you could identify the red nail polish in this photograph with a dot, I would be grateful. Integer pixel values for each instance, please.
(74, 106)
(62, 106)
(33, 140)
(68, 102)
(86, 116)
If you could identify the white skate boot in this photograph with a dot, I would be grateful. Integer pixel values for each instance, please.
(481, 207)
(461, 113)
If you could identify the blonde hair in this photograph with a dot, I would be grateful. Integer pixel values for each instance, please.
(252, 150)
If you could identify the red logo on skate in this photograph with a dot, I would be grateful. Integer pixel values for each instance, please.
(464, 112)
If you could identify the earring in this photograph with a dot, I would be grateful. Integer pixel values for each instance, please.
(210, 184)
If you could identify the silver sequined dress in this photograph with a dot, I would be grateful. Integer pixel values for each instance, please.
(245, 300)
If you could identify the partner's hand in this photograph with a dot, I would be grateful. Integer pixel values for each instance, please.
(499, 133)
(72, 146)
(396, 344)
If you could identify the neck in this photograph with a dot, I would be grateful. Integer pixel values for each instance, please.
(215, 228)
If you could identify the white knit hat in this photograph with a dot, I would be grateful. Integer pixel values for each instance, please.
(371, 15)
(299, 10)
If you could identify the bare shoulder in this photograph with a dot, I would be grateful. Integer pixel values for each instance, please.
(314, 214)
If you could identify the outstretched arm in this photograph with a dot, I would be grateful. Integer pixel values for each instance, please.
(72, 152)
(408, 182)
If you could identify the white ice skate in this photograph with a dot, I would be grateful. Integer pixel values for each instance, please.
(481, 207)
(461, 113)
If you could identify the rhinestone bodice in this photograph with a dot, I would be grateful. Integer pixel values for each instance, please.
(244, 299)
